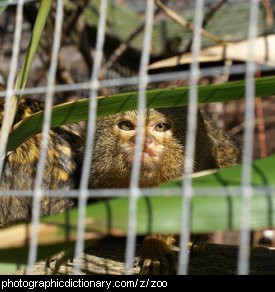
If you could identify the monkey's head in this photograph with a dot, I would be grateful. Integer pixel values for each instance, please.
(162, 154)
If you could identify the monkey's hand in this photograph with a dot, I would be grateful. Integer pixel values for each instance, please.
(198, 243)
(157, 256)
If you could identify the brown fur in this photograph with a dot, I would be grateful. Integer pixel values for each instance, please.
(20, 169)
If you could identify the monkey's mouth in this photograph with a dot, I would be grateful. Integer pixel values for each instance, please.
(148, 160)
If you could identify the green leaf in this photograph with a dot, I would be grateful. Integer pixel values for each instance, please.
(22, 77)
(211, 211)
(34, 43)
(76, 111)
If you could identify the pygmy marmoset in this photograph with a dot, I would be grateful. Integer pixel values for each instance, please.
(162, 160)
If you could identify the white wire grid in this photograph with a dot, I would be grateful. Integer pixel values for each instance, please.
(44, 144)
(142, 80)
(190, 141)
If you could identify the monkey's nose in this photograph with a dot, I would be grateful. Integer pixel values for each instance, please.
(149, 149)
(149, 139)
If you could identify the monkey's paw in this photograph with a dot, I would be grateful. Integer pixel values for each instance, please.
(198, 244)
(156, 257)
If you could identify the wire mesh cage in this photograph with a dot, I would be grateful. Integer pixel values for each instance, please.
(129, 119)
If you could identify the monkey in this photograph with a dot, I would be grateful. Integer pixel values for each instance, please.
(162, 160)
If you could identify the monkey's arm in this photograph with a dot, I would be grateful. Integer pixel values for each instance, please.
(224, 149)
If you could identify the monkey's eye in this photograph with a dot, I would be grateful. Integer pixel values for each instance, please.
(162, 127)
(126, 126)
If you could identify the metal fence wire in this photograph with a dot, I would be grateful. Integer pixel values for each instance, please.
(141, 81)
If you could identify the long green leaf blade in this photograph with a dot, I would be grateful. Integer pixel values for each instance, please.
(38, 29)
(76, 111)
(209, 211)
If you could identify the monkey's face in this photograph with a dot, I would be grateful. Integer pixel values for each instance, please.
(157, 131)
(162, 150)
